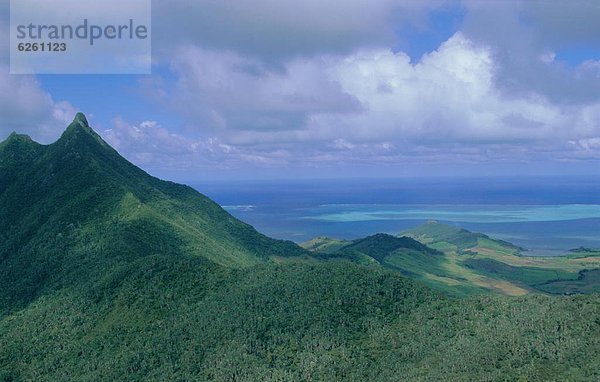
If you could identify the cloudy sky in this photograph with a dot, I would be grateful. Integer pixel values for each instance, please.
(355, 88)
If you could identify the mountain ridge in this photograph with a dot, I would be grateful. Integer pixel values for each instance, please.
(80, 190)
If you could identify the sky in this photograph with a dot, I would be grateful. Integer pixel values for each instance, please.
(280, 89)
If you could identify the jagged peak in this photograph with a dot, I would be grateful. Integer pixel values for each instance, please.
(80, 122)
(79, 141)
(80, 128)
(14, 137)
(81, 119)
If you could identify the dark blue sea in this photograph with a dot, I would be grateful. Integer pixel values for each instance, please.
(547, 216)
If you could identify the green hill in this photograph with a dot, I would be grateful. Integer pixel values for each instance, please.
(401, 254)
(107, 273)
(324, 244)
(379, 246)
(447, 236)
(405, 255)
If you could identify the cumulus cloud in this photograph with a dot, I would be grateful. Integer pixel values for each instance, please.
(311, 83)
(589, 68)
(531, 41)
(153, 146)
(373, 106)
(450, 96)
(234, 91)
(279, 29)
(149, 144)
(584, 149)
(24, 106)
(589, 144)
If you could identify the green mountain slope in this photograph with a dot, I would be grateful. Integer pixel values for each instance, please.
(379, 246)
(16, 153)
(176, 319)
(107, 273)
(323, 244)
(401, 254)
(76, 209)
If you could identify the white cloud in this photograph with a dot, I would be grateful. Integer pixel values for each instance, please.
(233, 91)
(450, 96)
(537, 44)
(589, 144)
(26, 108)
(276, 30)
(374, 95)
(584, 149)
(309, 82)
(589, 68)
(342, 144)
(372, 105)
(547, 57)
(149, 144)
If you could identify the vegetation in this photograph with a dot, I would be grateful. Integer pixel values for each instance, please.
(584, 252)
(76, 209)
(588, 281)
(502, 267)
(462, 263)
(460, 239)
(324, 245)
(109, 274)
(169, 319)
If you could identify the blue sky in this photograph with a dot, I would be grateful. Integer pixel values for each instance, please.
(355, 88)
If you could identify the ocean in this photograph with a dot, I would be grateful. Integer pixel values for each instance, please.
(546, 215)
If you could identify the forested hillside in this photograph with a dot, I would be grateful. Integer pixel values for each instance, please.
(76, 210)
(107, 273)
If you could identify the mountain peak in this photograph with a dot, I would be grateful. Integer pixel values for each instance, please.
(16, 151)
(14, 136)
(80, 131)
(15, 139)
(81, 120)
